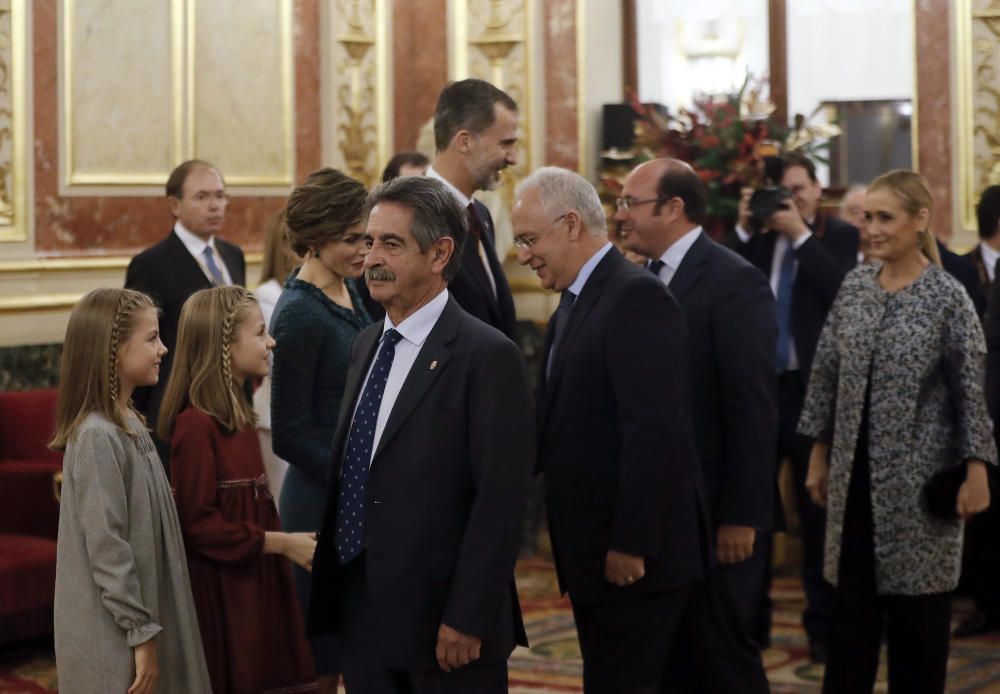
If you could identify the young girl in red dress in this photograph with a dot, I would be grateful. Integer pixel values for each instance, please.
(237, 555)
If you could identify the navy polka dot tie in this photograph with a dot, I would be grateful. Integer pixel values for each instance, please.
(350, 534)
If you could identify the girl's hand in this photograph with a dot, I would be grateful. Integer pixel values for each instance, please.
(819, 473)
(974, 494)
(147, 670)
(300, 548)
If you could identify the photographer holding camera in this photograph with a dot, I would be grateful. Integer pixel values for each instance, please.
(806, 254)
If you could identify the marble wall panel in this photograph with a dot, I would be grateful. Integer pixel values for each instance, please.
(934, 109)
(241, 89)
(561, 84)
(107, 224)
(420, 66)
(118, 107)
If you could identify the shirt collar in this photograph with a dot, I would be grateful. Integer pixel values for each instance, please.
(418, 325)
(588, 268)
(990, 256)
(431, 173)
(674, 256)
(195, 244)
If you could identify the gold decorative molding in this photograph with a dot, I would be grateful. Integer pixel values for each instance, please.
(977, 126)
(72, 177)
(14, 126)
(493, 40)
(183, 136)
(361, 87)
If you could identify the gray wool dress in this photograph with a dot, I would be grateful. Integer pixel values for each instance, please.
(121, 574)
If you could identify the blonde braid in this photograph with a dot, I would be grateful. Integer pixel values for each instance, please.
(227, 341)
(113, 379)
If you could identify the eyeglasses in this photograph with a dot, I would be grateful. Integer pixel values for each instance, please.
(527, 242)
(628, 203)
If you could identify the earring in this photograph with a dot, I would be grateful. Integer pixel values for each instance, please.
(315, 254)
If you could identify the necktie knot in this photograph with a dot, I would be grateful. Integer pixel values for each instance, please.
(567, 300)
(655, 266)
(392, 336)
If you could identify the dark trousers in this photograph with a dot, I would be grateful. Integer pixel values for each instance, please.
(916, 627)
(981, 569)
(812, 518)
(713, 652)
(625, 642)
(366, 673)
(747, 585)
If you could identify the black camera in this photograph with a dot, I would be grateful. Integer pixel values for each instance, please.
(765, 202)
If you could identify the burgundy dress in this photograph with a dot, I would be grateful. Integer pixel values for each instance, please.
(250, 621)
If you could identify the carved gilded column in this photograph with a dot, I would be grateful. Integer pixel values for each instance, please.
(977, 49)
(13, 121)
(360, 87)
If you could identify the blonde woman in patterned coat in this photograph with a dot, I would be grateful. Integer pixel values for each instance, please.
(896, 396)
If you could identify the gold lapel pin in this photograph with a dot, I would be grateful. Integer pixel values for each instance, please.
(434, 364)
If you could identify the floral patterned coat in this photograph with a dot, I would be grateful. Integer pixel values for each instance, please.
(923, 348)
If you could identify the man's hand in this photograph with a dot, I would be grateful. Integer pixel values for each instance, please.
(735, 543)
(624, 569)
(788, 223)
(455, 649)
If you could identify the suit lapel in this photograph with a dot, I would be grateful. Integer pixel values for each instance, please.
(690, 270)
(232, 260)
(584, 303)
(184, 264)
(430, 362)
(367, 342)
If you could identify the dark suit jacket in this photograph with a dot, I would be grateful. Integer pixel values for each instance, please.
(733, 335)
(823, 261)
(973, 276)
(616, 442)
(471, 287)
(992, 330)
(169, 274)
(965, 271)
(446, 495)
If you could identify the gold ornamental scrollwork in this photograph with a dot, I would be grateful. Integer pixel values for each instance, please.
(361, 101)
(13, 121)
(977, 39)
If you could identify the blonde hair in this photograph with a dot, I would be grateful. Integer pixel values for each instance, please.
(276, 264)
(912, 190)
(99, 325)
(202, 373)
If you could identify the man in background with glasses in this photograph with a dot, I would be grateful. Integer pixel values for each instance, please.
(623, 488)
(732, 332)
(190, 258)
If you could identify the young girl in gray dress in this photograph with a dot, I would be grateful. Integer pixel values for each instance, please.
(124, 615)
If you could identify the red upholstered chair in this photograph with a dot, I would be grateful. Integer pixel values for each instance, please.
(29, 513)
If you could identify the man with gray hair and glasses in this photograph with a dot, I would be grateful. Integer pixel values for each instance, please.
(432, 463)
(626, 509)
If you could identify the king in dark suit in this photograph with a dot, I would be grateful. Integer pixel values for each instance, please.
(433, 459)
(623, 487)
(475, 133)
(806, 255)
(191, 257)
(731, 326)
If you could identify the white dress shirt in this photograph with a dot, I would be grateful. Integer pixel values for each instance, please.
(990, 258)
(587, 270)
(781, 246)
(196, 247)
(414, 330)
(465, 202)
(674, 256)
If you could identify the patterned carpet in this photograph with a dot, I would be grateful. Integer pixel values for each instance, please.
(553, 662)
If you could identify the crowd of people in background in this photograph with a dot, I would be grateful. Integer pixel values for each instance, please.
(340, 462)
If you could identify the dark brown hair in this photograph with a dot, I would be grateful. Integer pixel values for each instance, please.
(400, 160)
(326, 205)
(793, 158)
(467, 105)
(679, 180)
